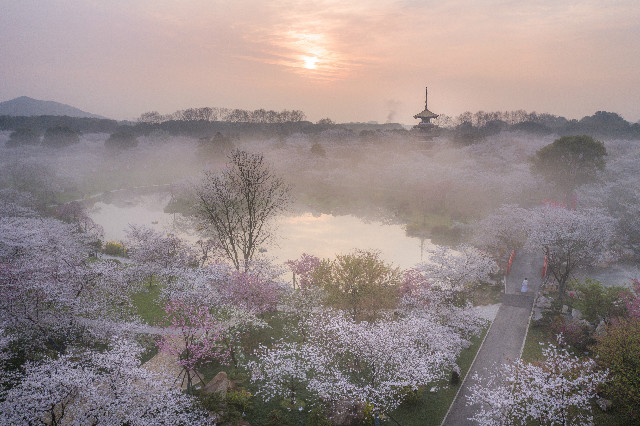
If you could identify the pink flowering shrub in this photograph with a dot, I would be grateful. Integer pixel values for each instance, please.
(251, 292)
(575, 333)
(303, 269)
(194, 337)
(633, 300)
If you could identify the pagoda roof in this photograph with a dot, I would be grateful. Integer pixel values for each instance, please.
(425, 114)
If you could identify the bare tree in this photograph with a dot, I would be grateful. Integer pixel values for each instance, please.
(236, 205)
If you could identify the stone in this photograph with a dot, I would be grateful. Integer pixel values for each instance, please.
(543, 302)
(537, 314)
(604, 404)
(220, 383)
(576, 314)
(346, 413)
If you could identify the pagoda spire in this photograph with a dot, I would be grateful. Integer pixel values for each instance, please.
(426, 97)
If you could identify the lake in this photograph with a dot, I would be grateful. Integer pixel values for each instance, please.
(322, 235)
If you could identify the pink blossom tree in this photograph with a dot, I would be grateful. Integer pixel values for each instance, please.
(303, 269)
(194, 338)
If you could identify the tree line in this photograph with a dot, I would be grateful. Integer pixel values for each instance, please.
(224, 114)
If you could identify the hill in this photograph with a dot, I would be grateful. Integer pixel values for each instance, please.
(27, 107)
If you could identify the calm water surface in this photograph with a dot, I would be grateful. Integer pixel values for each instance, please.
(321, 235)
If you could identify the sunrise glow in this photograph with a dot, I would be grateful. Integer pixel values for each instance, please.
(310, 62)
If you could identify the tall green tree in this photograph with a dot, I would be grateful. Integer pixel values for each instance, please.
(570, 162)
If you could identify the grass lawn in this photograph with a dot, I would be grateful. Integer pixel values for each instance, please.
(147, 306)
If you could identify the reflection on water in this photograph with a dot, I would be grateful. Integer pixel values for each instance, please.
(321, 235)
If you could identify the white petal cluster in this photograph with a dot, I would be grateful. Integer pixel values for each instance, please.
(557, 391)
(93, 388)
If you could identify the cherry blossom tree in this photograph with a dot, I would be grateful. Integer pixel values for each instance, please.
(251, 292)
(377, 362)
(97, 388)
(156, 255)
(570, 239)
(501, 231)
(52, 292)
(457, 269)
(285, 368)
(303, 269)
(194, 338)
(556, 391)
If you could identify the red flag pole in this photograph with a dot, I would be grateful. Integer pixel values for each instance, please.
(513, 254)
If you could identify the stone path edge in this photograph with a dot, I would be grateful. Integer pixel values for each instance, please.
(469, 371)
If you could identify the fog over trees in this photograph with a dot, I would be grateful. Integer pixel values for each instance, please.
(82, 328)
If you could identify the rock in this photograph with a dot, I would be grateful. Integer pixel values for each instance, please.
(543, 302)
(220, 383)
(576, 314)
(604, 404)
(346, 413)
(537, 314)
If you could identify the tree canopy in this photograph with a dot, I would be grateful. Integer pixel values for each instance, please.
(570, 161)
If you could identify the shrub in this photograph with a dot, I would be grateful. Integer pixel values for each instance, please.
(23, 136)
(60, 136)
(576, 333)
(619, 350)
(121, 139)
(597, 302)
(114, 248)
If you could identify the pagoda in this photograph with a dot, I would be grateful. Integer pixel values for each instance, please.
(425, 116)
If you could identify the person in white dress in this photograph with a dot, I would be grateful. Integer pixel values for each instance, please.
(525, 284)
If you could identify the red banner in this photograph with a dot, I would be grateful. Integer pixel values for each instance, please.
(513, 254)
(544, 267)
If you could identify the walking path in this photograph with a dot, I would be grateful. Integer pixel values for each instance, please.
(506, 335)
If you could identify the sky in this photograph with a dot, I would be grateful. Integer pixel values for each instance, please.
(348, 60)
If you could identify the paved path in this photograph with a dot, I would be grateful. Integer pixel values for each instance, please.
(505, 337)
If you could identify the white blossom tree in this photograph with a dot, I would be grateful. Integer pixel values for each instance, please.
(156, 256)
(96, 388)
(52, 293)
(556, 391)
(377, 362)
(457, 269)
(570, 239)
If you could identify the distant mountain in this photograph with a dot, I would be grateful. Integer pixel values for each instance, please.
(25, 106)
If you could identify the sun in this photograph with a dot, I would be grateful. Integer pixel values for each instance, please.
(310, 62)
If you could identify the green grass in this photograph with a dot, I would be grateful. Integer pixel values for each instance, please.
(147, 306)
(532, 348)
